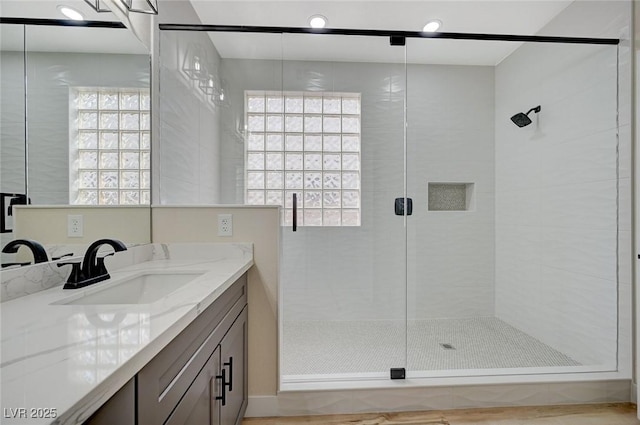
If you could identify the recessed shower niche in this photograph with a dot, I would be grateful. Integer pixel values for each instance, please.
(451, 196)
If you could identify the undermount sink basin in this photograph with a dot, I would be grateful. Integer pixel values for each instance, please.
(144, 288)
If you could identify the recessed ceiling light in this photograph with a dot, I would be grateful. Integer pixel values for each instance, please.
(432, 26)
(71, 13)
(317, 21)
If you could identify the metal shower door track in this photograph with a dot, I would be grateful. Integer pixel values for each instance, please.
(62, 23)
(389, 33)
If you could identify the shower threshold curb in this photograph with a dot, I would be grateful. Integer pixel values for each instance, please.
(604, 387)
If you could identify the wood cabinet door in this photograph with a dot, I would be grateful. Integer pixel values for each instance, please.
(120, 409)
(199, 405)
(233, 350)
(163, 382)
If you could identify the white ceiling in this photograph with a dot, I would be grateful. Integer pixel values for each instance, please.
(48, 9)
(64, 39)
(468, 16)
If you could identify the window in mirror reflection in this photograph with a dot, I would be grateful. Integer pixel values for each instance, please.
(110, 157)
(101, 341)
(306, 143)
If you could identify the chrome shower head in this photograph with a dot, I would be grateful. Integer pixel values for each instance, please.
(521, 119)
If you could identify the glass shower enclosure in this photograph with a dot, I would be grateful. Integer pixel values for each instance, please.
(430, 236)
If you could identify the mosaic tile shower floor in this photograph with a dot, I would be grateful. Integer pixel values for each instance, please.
(316, 347)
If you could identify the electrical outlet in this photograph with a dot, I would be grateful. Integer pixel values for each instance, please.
(75, 226)
(225, 225)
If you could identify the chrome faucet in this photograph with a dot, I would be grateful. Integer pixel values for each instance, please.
(39, 253)
(93, 269)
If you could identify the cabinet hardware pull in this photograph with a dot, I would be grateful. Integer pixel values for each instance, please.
(223, 397)
(230, 364)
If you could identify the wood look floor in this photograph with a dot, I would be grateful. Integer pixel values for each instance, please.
(591, 414)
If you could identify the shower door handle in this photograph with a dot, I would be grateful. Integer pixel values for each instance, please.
(295, 213)
(399, 206)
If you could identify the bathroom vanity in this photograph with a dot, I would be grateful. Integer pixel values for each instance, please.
(163, 355)
(199, 378)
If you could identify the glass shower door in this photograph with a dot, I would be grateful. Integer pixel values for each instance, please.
(343, 291)
(512, 246)
(450, 241)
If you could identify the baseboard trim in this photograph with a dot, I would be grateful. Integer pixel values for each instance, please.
(262, 406)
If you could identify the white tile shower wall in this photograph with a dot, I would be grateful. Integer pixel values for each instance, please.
(556, 192)
(359, 273)
(241, 76)
(189, 152)
(450, 253)
(50, 75)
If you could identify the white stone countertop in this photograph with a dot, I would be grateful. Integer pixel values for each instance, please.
(65, 361)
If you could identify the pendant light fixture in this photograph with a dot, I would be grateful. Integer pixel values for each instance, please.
(149, 7)
(196, 65)
(98, 6)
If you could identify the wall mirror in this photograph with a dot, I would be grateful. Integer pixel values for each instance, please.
(75, 116)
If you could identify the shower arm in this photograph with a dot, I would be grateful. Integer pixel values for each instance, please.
(535, 109)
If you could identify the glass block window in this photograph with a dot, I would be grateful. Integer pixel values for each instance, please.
(306, 143)
(110, 152)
